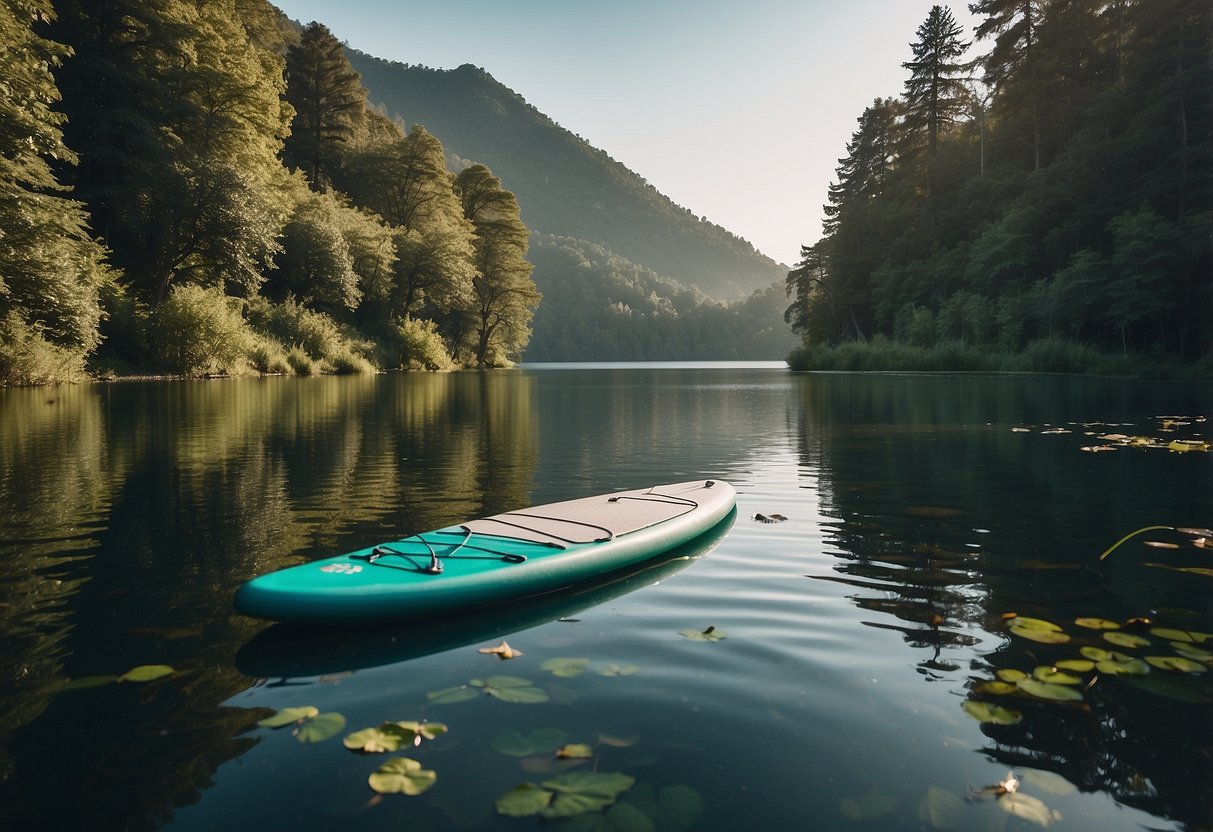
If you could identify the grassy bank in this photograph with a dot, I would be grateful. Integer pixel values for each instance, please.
(1043, 356)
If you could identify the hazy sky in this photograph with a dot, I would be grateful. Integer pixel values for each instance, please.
(736, 109)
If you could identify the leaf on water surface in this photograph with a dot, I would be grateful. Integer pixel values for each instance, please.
(1047, 690)
(1028, 808)
(1115, 667)
(321, 727)
(1051, 634)
(1196, 532)
(1172, 634)
(387, 737)
(710, 634)
(994, 688)
(618, 670)
(1186, 650)
(512, 689)
(1129, 640)
(288, 716)
(514, 743)
(564, 667)
(524, 800)
(449, 696)
(1077, 665)
(1180, 663)
(564, 796)
(1097, 623)
(401, 775)
(502, 651)
(1010, 674)
(574, 751)
(1050, 674)
(1027, 623)
(1095, 449)
(1048, 782)
(146, 673)
(868, 806)
(1096, 654)
(1183, 446)
(989, 713)
(941, 809)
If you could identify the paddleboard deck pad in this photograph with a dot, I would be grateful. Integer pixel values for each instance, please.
(492, 560)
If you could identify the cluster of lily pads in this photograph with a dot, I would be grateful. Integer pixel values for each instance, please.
(1066, 680)
(1111, 439)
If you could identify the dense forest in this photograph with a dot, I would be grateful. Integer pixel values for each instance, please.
(201, 187)
(1051, 198)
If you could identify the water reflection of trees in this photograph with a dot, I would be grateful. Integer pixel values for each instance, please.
(942, 519)
(131, 512)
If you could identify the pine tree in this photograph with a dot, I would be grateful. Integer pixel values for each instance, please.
(1012, 67)
(935, 92)
(329, 102)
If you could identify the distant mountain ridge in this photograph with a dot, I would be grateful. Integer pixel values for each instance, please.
(565, 186)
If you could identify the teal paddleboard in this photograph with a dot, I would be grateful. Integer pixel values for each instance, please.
(492, 560)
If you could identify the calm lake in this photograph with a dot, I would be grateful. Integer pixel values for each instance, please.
(933, 523)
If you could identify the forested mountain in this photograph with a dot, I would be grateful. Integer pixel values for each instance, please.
(565, 186)
(1066, 197)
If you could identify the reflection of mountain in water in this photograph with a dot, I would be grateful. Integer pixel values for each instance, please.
(943, 520)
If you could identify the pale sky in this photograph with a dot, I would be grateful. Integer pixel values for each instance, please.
(736, 109)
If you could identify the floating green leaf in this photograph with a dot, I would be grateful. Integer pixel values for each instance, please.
(1189, 652)
(387, 737)
(1054, 676)
(618, 670)
(1126, 639)
(1180, 663)
(868, 806)
(1191, 570)
(1046, 690)
(1028, 808)
(1047, 781)
(1010, 674)
(995, 688)
(1097, 623)
(565, 668)
(449, 696)
(1132, 667)
(146, 673)
(710, 634)
(1077, 665)
(1038, 630)
(540, 741)
(321, 727)
(986, 712)
(564, 796)
(941, 809)
(287, 716)
(1172, 634)
(511, 689)
(1096, 654)
(400, 775)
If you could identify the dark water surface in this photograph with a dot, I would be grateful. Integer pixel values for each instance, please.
(855, 630)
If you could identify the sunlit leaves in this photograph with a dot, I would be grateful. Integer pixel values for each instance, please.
(391, 736)
(1180, 663)
(1048, 690)
(1171, 634)
(146, 673)
(505, 688)
(1028, 808)
(575, 751)
(1038, 630)
(401, 775)
(1077, 665)
(710, 634)
(1129, 640)
(321, 727)
(1010, 674)
(1131, 666)
(1097, 623)
(1054, 676)
(564, 796)
(995, 714)
(995, 688)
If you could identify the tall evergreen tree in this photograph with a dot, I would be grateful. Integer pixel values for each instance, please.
(329, 102)
(504, 296)
(51, 269)
(935, 93)
(1011, 66)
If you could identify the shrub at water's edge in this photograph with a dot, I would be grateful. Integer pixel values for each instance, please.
(1047, 355)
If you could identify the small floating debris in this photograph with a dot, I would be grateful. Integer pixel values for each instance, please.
(769, 518)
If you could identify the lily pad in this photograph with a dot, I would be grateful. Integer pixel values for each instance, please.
(995, 688)
(1096, 654)
(288, 716)
(564, 796)
(575, 751)
(1132, 667)
(1047, 781)
(1173, 634)
(1054, 676)
(710, 634)
(565, 668)
(511, 689)
(1028, 808)
(1189, 652)
(1129, 640)
(1047, 690)
(401, 775)
(449, 696)
(994, 714)
(941, 809)
(321, 727)
(392, 736)
(1183, 665)
(146, 673)
(868, 806)
(514, 743)
(1010, 674)
(618, 670)
(1097, 623)
(1077, 665)
(1038, 630)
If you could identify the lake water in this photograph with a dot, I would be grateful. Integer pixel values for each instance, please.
(922, 512)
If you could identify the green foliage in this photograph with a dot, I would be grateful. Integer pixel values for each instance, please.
(27, 357)
(1063, 210)
(421, 346)
(199, 331)
(316, 342)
